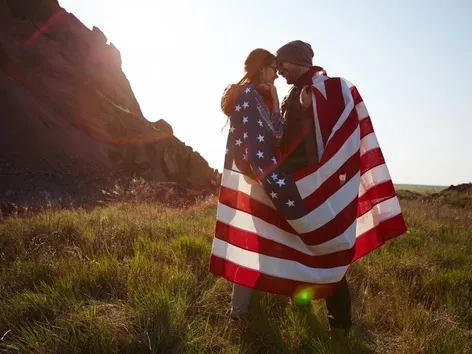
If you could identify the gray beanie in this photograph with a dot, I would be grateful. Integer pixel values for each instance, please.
(296, 52)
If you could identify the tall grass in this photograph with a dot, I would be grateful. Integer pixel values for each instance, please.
(133, 278)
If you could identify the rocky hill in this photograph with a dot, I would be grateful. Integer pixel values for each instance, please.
(69, 120)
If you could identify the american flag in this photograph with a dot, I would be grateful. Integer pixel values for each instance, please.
(285, 234)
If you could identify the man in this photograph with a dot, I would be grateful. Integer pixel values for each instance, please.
(299, 146)
(292, 222)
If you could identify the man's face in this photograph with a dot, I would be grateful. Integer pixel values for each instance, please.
(291, 72)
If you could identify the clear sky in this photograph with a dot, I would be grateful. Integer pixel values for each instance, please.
(410, 60)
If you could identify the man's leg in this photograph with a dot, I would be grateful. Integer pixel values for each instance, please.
(241, 298)
(339, 307)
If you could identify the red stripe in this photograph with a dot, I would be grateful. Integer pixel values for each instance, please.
(336, 142)
(374, 196)
(376, 237)
(241, 201)
(334, 227)
(371, 159)
(266, 283)
(356, 96)
(252, 242)
(350, 168)
(366, 127)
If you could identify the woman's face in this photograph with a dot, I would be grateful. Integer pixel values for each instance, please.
(269, 74)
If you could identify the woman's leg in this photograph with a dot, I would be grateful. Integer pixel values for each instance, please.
(241, 298)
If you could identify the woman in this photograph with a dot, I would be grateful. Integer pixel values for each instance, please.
(260, 70)
(256, 125)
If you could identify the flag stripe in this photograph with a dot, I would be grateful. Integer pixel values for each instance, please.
(258, 243)
(337, 147)
(263, 282)
(276, 267)
(310, 183)
(327, 211)
(244, 219)
(374, 176)
(345, 173)
(370, 240)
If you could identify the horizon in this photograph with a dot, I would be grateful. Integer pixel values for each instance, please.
(417, 102)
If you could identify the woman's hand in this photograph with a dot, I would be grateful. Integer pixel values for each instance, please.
(273, 93)
(305, 97)
(275, 98)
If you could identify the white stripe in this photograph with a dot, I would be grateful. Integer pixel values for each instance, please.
(345, 241)
(373, 177)
(307, 185)
(319, 137)
(369, 142)
(381, 212)
(242, 183)
(276, 267)
(348, 83)
(250, 223)
(348, 107)
(329, 209)
(362, 112)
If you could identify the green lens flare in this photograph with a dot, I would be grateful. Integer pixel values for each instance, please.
(303, 297)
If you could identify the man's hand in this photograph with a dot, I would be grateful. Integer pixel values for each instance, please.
(305, 97)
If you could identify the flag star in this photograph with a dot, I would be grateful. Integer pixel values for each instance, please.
(245, 120)
(260, 170)
(260, 138)
(237, 108)
(244, 157)
(226, 152)
(245, 135)
(247, 90)
(259, 122)
(274, 160)
(281, 182)
(290, 203)
(246, 105)
(274, 176)
(273, 195)
(231, 130)
(260, 154)
(238, 142)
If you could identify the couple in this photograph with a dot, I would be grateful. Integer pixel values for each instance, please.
(305, 190)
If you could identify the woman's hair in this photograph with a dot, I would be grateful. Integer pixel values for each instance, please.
(258, 59)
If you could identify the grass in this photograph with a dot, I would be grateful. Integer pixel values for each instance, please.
(133, 278)
(420, 188)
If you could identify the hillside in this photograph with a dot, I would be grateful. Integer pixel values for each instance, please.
(133, 278)
(455, 195)
(69, 119)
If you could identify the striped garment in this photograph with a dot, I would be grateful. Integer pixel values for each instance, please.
(287, 234)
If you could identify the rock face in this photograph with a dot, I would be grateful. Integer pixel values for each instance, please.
(68, 116)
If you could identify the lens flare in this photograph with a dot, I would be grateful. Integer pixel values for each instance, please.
(304, 296)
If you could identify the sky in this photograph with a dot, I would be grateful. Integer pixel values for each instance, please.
(410, 60)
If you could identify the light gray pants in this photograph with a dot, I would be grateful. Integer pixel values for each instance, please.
(241, 298)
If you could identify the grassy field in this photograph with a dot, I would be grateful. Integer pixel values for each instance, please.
(420, 188)
(134, 279)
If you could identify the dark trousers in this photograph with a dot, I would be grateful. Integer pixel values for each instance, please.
(339, 307)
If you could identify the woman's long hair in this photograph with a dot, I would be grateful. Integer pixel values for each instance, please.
(258, 59)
